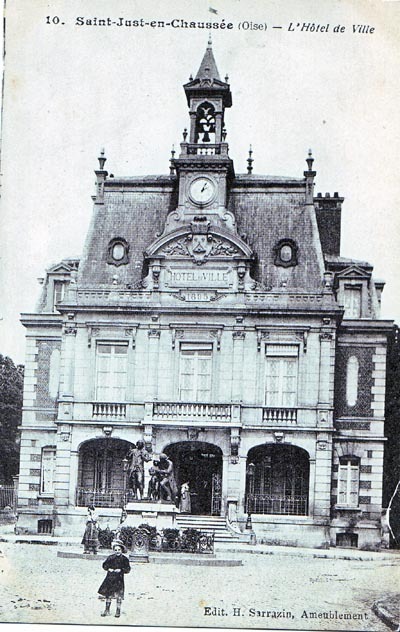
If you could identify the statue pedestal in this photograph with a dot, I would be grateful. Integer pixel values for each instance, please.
(156, 514)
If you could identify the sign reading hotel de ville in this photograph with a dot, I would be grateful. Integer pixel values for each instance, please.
(199, 278)
(207, 193)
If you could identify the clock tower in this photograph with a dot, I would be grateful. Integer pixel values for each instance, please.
(203, 168)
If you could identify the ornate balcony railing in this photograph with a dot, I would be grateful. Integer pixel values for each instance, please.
(102, 410)
(269, 504)
(169, 411)
(204, 149)
(284, 416)
(108, 498)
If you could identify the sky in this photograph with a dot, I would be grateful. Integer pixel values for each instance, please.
(71, 89)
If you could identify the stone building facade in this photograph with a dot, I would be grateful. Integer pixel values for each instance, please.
(211, 316)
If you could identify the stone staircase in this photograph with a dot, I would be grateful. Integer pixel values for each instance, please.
(209, 524)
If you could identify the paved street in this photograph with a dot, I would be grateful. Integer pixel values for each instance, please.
(268, 591)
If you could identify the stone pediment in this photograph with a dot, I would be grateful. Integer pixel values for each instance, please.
(59, 268)
(353, 272)
(198, 243)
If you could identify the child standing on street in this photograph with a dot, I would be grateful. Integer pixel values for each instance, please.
(116, 565)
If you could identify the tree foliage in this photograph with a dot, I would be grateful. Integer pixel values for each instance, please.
(391, 474)
(11, 392)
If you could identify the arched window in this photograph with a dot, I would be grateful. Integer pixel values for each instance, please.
(205, 123)
(277, 480)
(102, 480)
(352, 381)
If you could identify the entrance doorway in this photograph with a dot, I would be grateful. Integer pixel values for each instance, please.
(199, 464)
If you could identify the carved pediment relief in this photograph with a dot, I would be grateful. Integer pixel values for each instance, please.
(198, 243)
(200, 248)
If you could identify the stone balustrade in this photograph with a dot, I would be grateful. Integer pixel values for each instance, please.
(284, 416)
(169, 411)
(103, 410)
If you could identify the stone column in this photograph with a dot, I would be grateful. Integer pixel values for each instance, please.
(73, 476)
(218, 127)
(192, 126)
(67, 371)
(62, 475)
(322, 484)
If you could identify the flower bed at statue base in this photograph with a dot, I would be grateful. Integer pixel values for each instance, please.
(166, 540)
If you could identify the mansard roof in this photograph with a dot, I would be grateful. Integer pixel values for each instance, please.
(267, 209)
(338, 263)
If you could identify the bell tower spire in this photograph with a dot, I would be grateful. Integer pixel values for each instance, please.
(207, 98)
(203, 167)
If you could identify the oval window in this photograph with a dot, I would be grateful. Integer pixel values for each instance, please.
(286, 253)
(118, 251)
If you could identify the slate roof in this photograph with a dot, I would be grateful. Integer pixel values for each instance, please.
(208, 68)
(136, 209)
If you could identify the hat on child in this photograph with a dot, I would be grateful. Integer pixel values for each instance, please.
(117, 542)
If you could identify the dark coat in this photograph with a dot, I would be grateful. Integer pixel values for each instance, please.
(113, 586)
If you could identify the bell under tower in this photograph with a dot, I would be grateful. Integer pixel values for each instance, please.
(203, 167)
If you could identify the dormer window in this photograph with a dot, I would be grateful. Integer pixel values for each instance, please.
(352, 302)
(58, 293)
(118, 250)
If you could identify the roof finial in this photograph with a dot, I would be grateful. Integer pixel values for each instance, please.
(171, 166)
(250, 160)
(102, 159)
(309, 176)
(310, 160)
(209, 40)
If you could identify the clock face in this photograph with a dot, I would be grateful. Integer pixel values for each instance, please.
(202, 190)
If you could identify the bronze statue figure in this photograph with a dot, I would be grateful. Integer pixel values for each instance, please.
(137, 457)
(168, 487)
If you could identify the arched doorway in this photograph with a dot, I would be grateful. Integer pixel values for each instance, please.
(101, 475)
(199, 464)
(277, 480)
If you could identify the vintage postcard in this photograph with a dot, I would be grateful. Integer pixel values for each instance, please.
(200, 240)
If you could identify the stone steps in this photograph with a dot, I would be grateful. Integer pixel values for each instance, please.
(208, 524)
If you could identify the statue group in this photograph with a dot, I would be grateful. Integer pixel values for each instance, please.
(162, 485)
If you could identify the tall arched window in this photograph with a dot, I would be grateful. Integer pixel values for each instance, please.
(352, 381)
(277, 480)
(205, 123)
